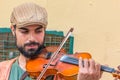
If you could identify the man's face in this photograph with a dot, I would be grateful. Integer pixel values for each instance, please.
(30, 40)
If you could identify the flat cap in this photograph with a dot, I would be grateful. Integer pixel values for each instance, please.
(28, 14)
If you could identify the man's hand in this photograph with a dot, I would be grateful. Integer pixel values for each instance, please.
(118, 72)
(88, 70)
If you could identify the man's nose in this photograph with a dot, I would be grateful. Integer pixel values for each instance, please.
(31, 37)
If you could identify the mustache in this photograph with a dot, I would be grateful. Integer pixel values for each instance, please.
(31, 43)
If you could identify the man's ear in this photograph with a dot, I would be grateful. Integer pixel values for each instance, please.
(13, 30)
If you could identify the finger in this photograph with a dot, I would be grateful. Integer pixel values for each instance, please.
(86, 63)
(92, 64)
(97, 67)
(80, 62)
(98, 70)
(115, 79)
(118, 67)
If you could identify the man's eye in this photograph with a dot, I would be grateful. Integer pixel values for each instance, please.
(24, 31)
(38, 31)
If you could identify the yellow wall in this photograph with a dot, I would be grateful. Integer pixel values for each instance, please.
(96, 25)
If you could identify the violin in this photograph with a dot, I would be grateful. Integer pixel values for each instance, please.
(65, 65)
(59, 63)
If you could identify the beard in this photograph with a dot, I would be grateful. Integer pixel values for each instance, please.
(31, 53)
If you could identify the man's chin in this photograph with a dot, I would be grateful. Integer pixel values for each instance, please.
(29, 55)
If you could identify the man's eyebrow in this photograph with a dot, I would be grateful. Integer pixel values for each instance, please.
(22, 28)
(39, 27)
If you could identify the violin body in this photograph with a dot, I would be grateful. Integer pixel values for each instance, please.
(58, 68)
(61, 69)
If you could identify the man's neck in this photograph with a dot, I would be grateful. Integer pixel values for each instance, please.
(22, 61)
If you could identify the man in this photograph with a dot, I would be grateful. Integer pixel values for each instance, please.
(28, 25)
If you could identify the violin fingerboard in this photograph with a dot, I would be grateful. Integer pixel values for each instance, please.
(68, 59)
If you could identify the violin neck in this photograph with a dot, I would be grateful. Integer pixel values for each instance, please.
(75, 61)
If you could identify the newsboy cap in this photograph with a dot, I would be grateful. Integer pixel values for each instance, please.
(29, 14)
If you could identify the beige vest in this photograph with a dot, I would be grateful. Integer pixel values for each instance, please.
(5, 68)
